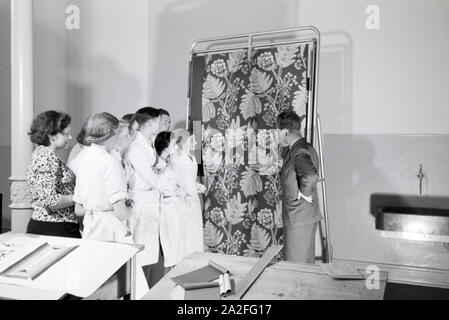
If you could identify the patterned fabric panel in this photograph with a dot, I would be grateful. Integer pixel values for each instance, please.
(241, 99)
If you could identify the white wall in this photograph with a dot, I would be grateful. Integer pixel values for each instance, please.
(100, 67)
(393, 80)
(132, 53)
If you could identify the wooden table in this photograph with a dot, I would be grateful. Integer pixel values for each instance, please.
(280, 280)
(120, 285)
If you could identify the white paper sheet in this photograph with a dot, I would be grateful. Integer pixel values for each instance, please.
(142, 287)
(82, 271)
(178, 293)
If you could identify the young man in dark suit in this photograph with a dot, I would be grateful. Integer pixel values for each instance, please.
(299, 177)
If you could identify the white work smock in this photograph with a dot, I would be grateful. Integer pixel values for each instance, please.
(172, 219)
(100, 182)
(186, 171)
(145, 222)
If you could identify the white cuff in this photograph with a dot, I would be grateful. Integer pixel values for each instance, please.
(76, 199)
(307, 198)
(118, 196)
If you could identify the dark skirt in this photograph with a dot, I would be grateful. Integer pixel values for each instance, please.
(58, 229)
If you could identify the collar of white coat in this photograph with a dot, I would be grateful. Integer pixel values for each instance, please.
(116, 154)
(98, 147)
(141, 139)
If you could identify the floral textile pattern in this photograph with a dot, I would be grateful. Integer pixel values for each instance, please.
(242, 97)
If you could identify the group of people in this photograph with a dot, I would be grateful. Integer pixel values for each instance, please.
(126, 180)
(134, 181)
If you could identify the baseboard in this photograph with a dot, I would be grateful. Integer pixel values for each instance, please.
(430, 277)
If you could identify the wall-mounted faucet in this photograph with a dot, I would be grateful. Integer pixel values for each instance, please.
(420, 176)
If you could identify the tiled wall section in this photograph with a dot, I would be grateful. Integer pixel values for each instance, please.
(357, 166)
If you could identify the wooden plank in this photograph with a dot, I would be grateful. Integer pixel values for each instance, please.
(244, 284)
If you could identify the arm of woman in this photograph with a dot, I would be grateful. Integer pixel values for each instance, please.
(64, 202)
(184, 178)
(79, 210)
(117, 189)
(121, 210)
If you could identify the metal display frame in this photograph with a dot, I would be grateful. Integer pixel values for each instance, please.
(305, 34)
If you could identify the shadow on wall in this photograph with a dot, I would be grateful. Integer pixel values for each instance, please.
(103, 87)
(76, 74)
(181, 23)
(95, 82)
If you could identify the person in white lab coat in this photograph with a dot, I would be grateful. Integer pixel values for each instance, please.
(101, 189)
(103, 179)
(126, 134)
(172, 220)
(187, 169)
(145, 223)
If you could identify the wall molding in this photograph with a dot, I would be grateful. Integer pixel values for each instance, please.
(438, 278)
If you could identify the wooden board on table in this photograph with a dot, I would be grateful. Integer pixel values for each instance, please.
(280, 280)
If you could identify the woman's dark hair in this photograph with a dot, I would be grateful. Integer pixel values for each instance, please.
(145, 114)
(163, 112)
(46, 124)
(162, 141)
(129, 118)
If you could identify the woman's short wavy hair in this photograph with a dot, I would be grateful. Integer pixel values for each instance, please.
(46, 124)
(181, 136)
(99, 127)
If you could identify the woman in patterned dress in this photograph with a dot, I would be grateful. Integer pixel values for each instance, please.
(49, 181)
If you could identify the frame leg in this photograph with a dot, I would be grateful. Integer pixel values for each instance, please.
(133, 278)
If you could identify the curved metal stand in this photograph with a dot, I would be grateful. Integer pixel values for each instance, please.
(327, 249)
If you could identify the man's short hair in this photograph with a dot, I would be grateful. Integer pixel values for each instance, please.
(289, 120)
(145, 114)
